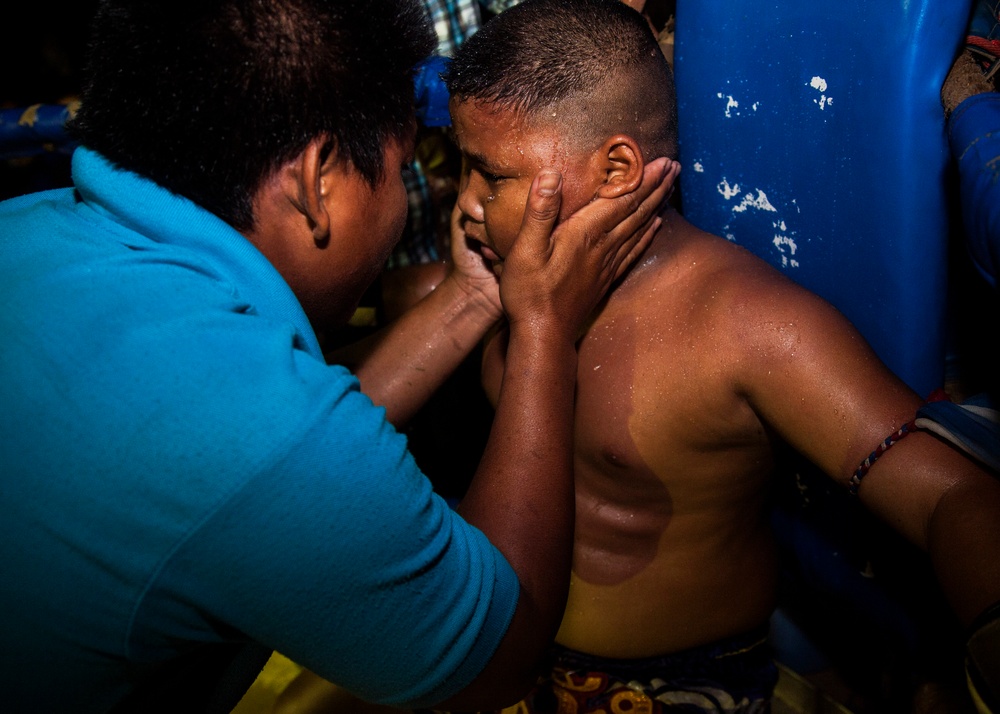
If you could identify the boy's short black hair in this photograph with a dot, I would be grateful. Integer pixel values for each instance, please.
(209, 97)
(542, 52)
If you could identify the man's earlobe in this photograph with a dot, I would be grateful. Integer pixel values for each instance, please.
(622, 166)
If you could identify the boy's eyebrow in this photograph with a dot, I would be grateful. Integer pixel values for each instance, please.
(483, 163)
(480, 161)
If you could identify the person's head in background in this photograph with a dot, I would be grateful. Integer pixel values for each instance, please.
(579, 86)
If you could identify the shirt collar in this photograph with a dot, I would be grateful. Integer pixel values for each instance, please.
(152, 213)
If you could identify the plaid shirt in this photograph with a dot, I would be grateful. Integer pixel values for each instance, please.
(454, 22)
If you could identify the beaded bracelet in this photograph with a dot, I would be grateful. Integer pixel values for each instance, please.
(862, 470)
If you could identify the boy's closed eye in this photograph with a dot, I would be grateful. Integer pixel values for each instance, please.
(491, 177)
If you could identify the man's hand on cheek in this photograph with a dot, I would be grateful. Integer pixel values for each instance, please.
(558, 275)
(471, 268)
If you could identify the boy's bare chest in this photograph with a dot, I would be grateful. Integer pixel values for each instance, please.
(656, 402)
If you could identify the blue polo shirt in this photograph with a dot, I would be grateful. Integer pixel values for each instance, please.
(178, 464)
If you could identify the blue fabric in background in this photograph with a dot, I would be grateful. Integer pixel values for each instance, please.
(430, 93)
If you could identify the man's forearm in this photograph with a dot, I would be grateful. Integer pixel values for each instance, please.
(402, 365)
(522, 498)
(524, 483)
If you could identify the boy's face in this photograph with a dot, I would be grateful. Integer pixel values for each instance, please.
(501, 155)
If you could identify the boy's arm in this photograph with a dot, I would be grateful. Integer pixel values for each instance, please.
(936, 496)
(821, 386)
(961, 535)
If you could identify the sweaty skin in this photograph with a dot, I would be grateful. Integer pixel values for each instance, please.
(679, 371)
(672, 548)
(669, 499)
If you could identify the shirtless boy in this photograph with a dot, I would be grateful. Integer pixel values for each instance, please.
(698, 363)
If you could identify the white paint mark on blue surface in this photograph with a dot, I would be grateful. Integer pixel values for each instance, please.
(759, 202)
(787, 248)
(820, 85)
(731, 104)
(728, 191)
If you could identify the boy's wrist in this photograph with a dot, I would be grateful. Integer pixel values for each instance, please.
(477, 302)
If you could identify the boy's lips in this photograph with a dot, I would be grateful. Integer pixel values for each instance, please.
(488, 253)
(475, 232)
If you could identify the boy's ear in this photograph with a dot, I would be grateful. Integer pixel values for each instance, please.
(622, 166)
(316, 176)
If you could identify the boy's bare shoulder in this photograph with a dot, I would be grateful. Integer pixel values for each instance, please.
(688, 265)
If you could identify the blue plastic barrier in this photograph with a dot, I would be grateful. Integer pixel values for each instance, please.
(813, 134)
(35, 130)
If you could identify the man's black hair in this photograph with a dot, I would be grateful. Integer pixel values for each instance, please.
(209, 97)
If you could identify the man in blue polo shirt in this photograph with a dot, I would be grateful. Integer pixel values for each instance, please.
(180, 465)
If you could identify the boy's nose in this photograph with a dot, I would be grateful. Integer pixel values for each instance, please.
(468, 203)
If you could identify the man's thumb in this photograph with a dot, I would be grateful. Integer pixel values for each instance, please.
(542, 209)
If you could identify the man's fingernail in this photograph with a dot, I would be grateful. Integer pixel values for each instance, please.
(548, 182)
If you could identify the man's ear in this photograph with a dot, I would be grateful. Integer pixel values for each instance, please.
(622, 166)
(316, 165)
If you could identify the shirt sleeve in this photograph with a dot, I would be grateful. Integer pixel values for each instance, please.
(339, 555)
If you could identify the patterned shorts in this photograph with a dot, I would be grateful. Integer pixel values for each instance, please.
(735, 676)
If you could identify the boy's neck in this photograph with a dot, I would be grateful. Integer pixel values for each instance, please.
(654, 253)
(643, 266)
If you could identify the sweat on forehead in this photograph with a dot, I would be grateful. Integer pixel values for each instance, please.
(577, 124)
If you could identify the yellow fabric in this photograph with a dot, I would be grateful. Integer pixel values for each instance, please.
(271, 682)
